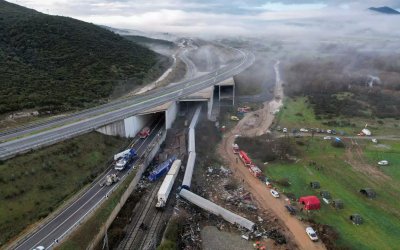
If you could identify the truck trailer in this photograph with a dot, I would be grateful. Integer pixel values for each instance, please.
(121, 154)
(109, 180)
(254, 170)
(168, 183)
(246, 160)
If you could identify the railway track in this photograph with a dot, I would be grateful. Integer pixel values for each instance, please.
(150, 241)
(145, 212)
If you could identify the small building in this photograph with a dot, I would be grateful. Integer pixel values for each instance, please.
(310, 202)
(325, 194)
(315, 185)
(356, 219)
(338, 204)
(368, 192)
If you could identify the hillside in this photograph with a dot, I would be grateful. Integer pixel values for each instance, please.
(148, 42)
(56, 64)
(385, 10)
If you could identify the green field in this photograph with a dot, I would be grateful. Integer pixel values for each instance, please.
(298, 113)
(35, 184)
(385, 150)
(381, 228)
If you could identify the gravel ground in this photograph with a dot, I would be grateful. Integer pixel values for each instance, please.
(213, 239)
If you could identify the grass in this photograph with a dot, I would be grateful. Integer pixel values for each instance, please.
(84, 235)
(385, 150)
(35, 184)
(380, 229)
(298, 113)
(381, 215)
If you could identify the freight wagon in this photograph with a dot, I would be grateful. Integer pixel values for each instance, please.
(168, 183)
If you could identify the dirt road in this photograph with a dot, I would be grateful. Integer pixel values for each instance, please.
(257, 123)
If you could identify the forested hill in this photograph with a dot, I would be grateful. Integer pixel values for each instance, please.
(54, 63)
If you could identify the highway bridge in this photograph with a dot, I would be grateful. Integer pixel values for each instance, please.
(47, 133)
(25, 139)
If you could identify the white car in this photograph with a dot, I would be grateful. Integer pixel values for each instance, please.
(329, 131)
(303, 130)
(274, 193)
(311, 233)
(39, 248)
(120, 165)
(374, 140)
(383, 163)
(327, 138)
(284, 130)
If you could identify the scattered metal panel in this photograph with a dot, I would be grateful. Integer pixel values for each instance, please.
(217, 210)
(187, 179)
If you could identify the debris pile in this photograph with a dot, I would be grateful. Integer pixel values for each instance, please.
(223, 190)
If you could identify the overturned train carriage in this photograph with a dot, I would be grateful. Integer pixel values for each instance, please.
(187, 179)
(217, 210)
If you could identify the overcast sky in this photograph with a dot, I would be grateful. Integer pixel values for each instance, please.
(219, 17)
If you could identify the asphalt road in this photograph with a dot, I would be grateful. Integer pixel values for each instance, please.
(68, 218)
(82, 122)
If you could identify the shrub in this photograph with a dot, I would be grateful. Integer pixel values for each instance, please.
(338, 144)
(284, 182)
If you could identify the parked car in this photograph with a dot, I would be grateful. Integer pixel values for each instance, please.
(290, 209)
(311, 233)
(274, 193)
(374, 140)
(284, 130)
(327, 138)
(303, 130)
(383, 163)
(39, 248)
(329, 131)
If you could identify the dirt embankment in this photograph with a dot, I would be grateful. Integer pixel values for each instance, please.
(255, 124)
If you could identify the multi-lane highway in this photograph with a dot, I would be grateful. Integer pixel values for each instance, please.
(57, 228)
(51, 132)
